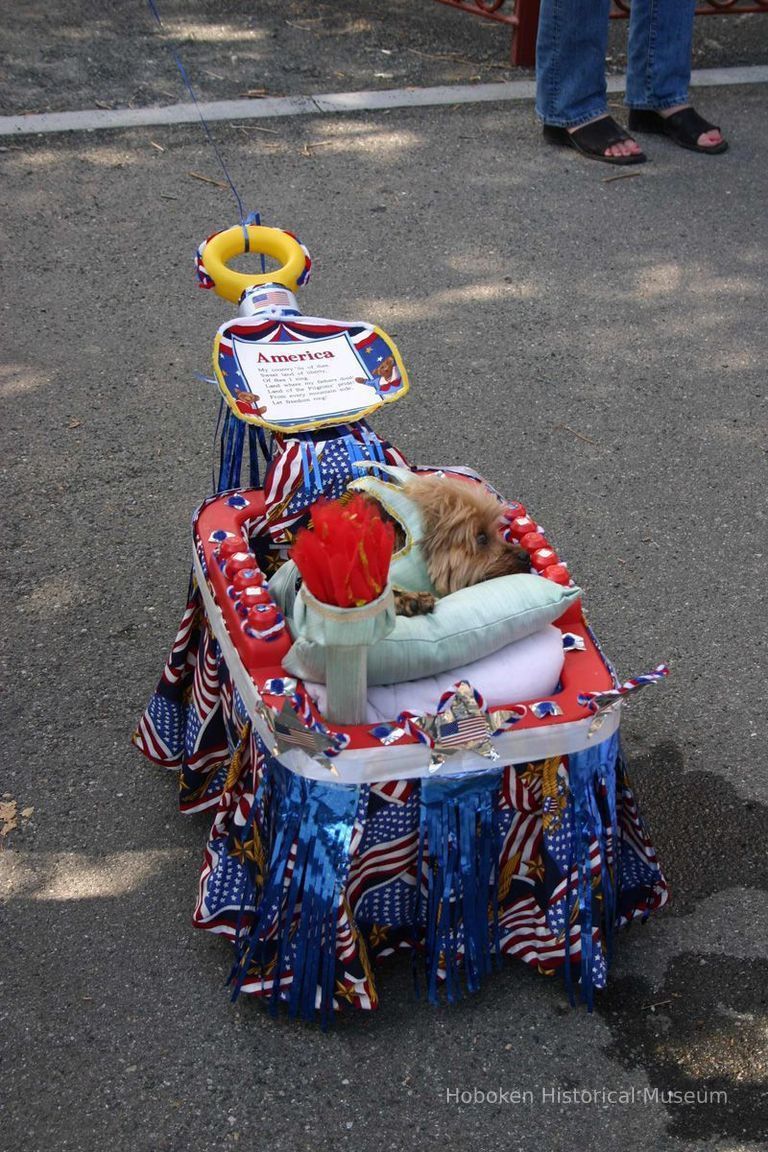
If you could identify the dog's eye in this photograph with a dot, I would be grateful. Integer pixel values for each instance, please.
(481, 539)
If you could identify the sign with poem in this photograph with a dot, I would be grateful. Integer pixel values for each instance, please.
(306, 380)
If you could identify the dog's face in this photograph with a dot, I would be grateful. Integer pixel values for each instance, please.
(462, 541)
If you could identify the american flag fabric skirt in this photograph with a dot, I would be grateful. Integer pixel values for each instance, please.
(315, 882)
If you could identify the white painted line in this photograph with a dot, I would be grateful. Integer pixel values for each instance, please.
(722, 77)
(421, 97)
(94, 119)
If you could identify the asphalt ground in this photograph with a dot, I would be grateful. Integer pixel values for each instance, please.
(596, 347)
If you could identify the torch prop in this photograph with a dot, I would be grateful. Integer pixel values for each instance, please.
(345, 602)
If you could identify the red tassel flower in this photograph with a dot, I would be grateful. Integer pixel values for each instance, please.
(344, 560)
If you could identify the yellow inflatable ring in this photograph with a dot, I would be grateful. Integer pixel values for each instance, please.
(224, 246)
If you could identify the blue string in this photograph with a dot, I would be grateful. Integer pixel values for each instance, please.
(228, 451)
(253, 218)
(187, 84)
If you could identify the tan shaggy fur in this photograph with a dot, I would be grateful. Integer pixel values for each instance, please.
(462, 541)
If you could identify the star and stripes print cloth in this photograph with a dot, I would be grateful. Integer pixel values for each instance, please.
(188, 724)
(311, 465)
(570, 856)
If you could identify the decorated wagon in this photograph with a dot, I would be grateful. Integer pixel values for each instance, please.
(450, 784)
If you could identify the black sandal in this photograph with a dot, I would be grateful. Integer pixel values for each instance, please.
(684, 127)
(592, 140)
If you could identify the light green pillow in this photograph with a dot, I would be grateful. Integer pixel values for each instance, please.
(464, 626)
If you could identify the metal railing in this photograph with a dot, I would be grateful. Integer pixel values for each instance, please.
(523, 17)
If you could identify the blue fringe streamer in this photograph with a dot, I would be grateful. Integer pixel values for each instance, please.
(253, 457)
(592, 773)
(456, 924)
(318, 819)
(232, 450)
(460, 829)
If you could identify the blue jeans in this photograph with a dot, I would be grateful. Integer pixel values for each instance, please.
(570, 57)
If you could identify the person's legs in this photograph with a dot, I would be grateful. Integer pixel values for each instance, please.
(659, 53)
(570, 61)
(659, 58)
(570, 66)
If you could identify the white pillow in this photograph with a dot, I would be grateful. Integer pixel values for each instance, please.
(528, 669)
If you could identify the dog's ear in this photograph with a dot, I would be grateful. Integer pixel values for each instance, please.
(456, 511)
